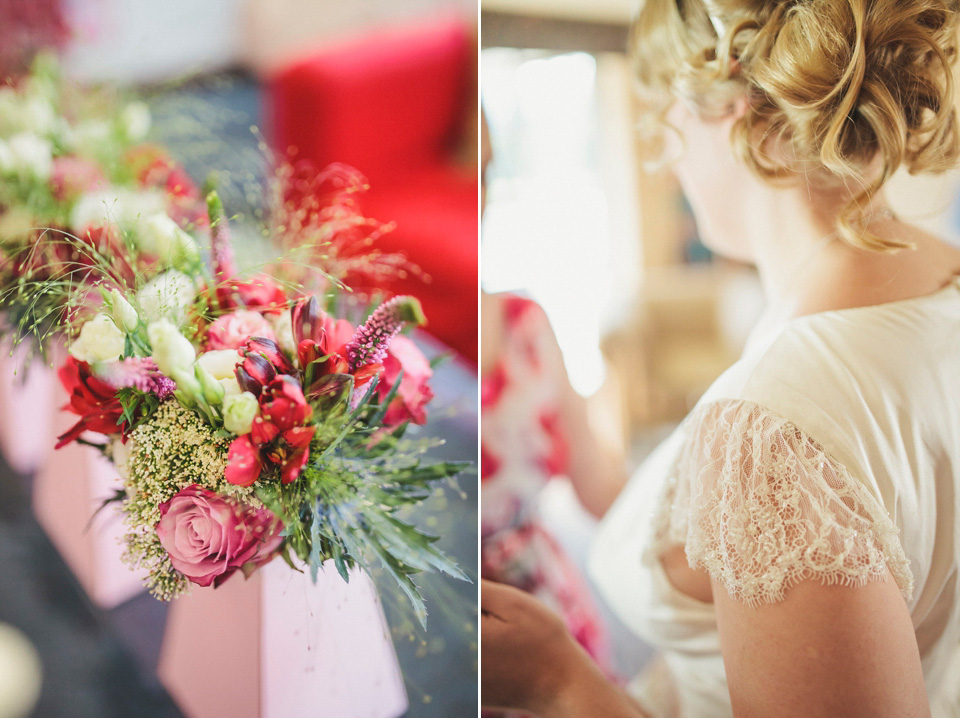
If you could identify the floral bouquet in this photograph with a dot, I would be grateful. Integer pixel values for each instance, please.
(249, 421)
(81, 193)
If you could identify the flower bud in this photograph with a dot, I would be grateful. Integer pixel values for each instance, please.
(160, 236)
(212, 390)
(99, 340)
(171, 350)
(124, 315)
(239, 412)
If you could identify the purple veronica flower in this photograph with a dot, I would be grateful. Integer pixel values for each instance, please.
(370, 341)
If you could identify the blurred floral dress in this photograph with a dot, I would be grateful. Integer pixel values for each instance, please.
(522, 447)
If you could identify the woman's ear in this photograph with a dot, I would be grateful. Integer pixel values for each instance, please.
(739, 106)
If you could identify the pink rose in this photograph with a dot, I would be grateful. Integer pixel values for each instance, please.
(231, 330)
(209, 537)
(72, 176)
(410, 402)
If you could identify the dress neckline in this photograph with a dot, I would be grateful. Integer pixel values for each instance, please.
(952, 283)
(769, 333)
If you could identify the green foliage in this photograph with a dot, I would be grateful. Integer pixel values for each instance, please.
(138, 406)
(346, 505)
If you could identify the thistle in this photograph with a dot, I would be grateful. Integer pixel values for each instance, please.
(221, 251)
(370, 341)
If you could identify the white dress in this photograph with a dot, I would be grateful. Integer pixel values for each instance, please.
(830, 450)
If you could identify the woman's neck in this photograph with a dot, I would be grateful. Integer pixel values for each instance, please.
(805, 267)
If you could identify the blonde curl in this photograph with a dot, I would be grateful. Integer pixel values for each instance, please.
(847, 91)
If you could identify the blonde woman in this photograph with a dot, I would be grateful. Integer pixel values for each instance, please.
(794, 548)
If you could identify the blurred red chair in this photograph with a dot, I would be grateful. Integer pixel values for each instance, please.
(393, 103)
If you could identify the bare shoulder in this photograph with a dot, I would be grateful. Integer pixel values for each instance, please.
(824, 650)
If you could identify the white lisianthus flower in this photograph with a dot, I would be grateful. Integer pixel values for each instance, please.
(32, 156)
(99, 340)
(172, 352)
(220, 363)
(114, 204)
(239, 411)
(166, 295)
(124, 315)
(231, 387)
(160, 236)
(135, 121)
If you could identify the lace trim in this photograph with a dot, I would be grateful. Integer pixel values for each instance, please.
(761, 506)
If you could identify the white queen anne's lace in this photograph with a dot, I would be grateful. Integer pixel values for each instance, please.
(761, 506)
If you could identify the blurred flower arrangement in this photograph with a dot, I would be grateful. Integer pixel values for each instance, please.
(246, 415)
(81, 192)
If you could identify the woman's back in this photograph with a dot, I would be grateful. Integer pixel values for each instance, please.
(830, 451)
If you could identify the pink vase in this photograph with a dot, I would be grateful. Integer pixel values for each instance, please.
(27, 408)
(69, 487)
(277, 645)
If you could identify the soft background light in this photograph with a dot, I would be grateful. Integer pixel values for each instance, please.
(549, 230)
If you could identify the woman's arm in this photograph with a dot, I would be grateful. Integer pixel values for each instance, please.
(596, 468)
(824, 650)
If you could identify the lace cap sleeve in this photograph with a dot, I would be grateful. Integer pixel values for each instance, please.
(761, 506)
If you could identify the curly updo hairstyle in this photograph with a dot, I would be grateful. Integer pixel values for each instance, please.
(850, 90)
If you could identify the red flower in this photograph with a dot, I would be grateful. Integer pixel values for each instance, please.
(155, 168)
(263, 362)
(255, 372)
(282, 403)
(243, 462)
(322, 347)
(493, 385)
(92, 399)
(489, 464)
(414, 393)
(278, 435)
(269, 350)
(557, 458)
